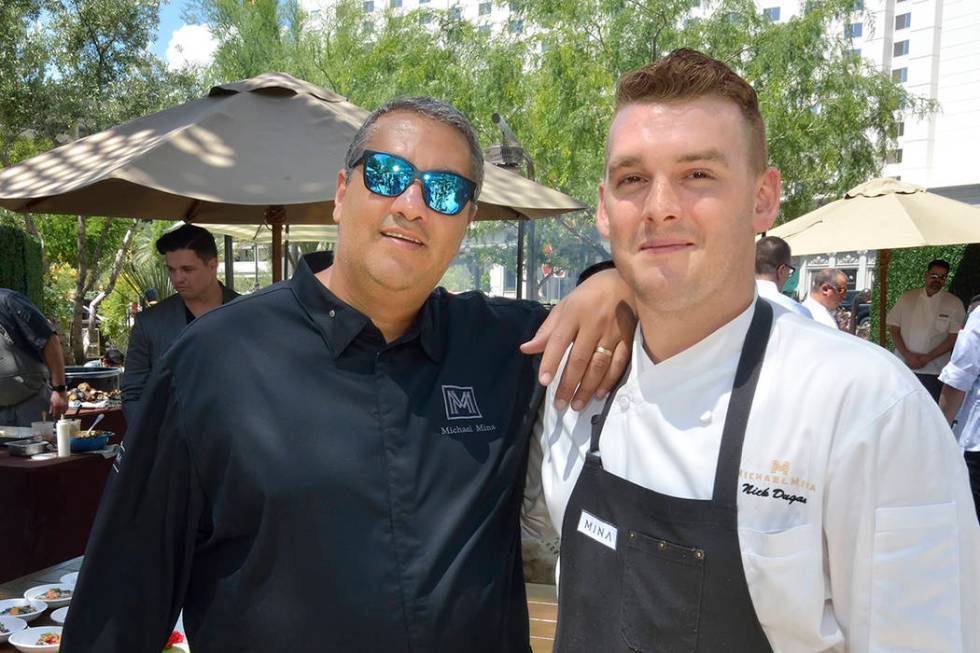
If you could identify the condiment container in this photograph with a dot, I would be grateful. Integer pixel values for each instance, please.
(63, 429)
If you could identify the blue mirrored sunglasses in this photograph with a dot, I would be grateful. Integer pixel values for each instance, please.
(388, 175)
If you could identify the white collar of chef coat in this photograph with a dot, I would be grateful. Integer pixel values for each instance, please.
(721, 345)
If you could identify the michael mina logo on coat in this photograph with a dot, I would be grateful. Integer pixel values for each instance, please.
(460, 403)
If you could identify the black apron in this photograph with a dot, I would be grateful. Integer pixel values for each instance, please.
(643, 571)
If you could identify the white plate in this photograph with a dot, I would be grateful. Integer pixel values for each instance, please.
(70, 579)
(39, 606)
(12, 624)
(35, 594)
(59, 615)
(26, 640)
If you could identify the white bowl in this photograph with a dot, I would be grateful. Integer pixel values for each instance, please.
(35, 594)
(70, 579)
(26, 640)
(39, 607)
(12, 624)
(59, 615)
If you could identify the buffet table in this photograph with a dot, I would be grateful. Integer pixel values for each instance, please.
(50, 504)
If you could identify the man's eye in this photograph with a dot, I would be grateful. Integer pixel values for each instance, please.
(701, 174)
(629, 180)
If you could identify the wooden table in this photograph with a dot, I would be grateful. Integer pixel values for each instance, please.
(15, 590)
(50, 507)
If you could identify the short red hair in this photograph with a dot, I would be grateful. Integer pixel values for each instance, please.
(687, 74)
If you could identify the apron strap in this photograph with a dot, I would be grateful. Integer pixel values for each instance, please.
(740, 404)
(599, 420)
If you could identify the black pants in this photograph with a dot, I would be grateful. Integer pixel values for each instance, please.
(931, 383)
(973, 466)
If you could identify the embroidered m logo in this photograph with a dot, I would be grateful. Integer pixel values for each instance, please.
(781, 467)
(460, 402)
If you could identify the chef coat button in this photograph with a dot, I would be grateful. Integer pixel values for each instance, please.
(624, 402)
(332, 313)
(706, 417)
(699, 554)
(663, 545)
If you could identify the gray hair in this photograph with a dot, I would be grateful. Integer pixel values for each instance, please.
(430, 108)
(826, 276)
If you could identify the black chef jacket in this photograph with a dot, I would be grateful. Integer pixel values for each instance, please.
(297, 484)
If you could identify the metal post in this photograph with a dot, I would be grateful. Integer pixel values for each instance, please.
(520, 256)
(532, 263)
(229, 264)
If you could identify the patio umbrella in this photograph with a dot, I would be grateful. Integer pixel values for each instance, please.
(262, 233)
(264, 150)
(882, 214)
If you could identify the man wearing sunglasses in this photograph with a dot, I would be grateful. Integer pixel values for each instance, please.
(826, 293)
(772, 270)
(923, 324)
(337, 462)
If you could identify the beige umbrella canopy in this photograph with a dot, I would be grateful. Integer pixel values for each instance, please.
(250, 146)
(882, 214)
(262, 233)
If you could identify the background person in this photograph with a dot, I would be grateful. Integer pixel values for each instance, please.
(336, 462)
(923, 324)
(960, 396)
(192, 263)
(772, 269)
(32, 363)
(826, 293)
(111, 358)
(702, 506)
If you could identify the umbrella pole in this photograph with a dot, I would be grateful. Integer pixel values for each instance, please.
(275, 216)
(884, 257)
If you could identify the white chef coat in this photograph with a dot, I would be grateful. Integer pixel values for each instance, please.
(963, 373)
(820, 313)
(769, 292)
(860, 534)
(926, 321)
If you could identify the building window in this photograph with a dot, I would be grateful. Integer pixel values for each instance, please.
(485, 8)
(900, 128)
(902, 21)
(900, 75)
(426, 19)
(455, 13)
(858, 5)
(853, 30)
(368, 6)
(856, 52)
(396, 4)
(423, 2)
(485, 29)
(900, 48)
(894, 156)
(516, 26)
(771, 14)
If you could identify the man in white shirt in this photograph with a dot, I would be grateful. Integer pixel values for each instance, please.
(828, 289)
(960, 397)
(703, 506)
(923, 324)
(772, 269)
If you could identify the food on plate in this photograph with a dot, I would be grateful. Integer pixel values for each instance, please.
(54, 594)
(48, 638)
(18, 611)
(85, 392)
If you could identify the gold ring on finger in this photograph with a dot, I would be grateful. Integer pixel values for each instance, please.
(602, 350)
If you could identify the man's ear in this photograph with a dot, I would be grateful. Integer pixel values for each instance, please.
(338, 198)
(766, 200)
(601, 217)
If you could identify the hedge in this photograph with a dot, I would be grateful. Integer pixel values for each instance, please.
(21, 268)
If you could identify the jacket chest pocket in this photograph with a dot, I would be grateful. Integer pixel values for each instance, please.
(662, 585)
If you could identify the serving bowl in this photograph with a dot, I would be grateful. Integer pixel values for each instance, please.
(12, 625)
(59, 615)
(38, 607)
(26, 640)
(37, 594)
(70, 579)
(94, 442)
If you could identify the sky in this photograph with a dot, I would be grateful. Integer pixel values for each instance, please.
(178, 43)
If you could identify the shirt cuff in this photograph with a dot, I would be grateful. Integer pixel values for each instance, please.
(960, 379)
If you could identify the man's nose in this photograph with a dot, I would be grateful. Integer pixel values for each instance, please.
(410, 204)
(661, 202)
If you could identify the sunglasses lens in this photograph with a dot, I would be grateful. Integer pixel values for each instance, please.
(445, 192)
(387, 175)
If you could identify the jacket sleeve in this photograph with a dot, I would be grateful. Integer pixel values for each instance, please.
(138, 367)
(901, 534)
(138, 558)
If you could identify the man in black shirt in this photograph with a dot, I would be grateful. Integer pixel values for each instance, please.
(335, 463)
(192, 264)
